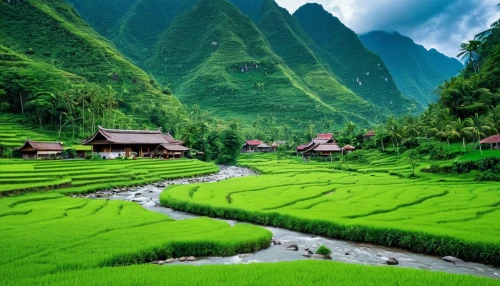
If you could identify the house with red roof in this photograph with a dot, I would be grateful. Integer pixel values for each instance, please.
(494, 141)
(369, 135)
(251, 146)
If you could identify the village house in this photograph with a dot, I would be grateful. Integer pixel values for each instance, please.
(251, 146)
(40, 150)
(369, 135)
(113, 143)
(494, 141)
(324, 145)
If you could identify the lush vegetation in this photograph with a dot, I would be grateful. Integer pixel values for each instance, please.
(45, 234)
(60, 74)
(303, 273)
(84, 176)
(447, 216)
(416, 70)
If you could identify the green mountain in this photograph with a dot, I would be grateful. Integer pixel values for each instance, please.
(358, 68)
(416, 70)
(48, 52)
(103, 16)
(215, 56)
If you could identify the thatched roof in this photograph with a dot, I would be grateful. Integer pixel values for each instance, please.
(41, 146)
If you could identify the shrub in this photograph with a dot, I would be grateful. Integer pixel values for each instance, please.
(464, 167)
(488, 164)
(323, 250)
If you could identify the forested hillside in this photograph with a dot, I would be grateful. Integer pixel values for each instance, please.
(146, 32)
(416, 70)
(58, 72)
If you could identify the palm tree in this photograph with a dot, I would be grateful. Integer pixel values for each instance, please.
(493, 118)
(481, 128)
(468, 53)
(395, 132)
(461, 129)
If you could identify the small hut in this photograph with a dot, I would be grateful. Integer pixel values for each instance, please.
(369, 135)
(251, 146)
(42, 150)
(494, 141)
(277, 144)
(348, 149)
(264, 148)
(171, 151)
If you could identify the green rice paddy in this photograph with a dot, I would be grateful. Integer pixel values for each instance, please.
(446, 215)
(83, 176)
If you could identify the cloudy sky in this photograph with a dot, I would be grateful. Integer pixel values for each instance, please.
(439, 24)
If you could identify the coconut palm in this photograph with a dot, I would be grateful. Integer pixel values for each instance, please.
(469, 53)
(461, 129)
(493, 118)
(481, 128)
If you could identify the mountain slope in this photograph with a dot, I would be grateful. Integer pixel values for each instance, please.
(58, 45)
(361, 70)
(290, 43)
(137, 32)
(102, 15)
(416, 70)
(214, 56)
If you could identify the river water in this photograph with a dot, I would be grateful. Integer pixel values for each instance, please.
(343, 251)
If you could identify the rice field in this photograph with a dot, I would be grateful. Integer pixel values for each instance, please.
(83, 176)
(13, 134)
(433, 213)
(49, 233)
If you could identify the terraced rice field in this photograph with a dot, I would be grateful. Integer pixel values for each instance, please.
(448, 216)
(83, 176)
(13, 134)
(49, 233)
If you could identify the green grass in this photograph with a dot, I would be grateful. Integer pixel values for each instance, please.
(434, 213)
(50, 233)
(83, 176)
(287, 273)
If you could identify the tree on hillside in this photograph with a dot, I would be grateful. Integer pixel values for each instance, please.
(231, 143)
(41, 103)
(412, 159)
(481, 128)
(461, 129)
(469, 53)
(493, 118)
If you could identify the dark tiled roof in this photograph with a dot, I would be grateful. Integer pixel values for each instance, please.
(492, 139)
(117, 136)
(42, 146)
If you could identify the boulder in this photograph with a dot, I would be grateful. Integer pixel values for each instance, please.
(161, 262)
(452, 259)
(392, 261)
(137, 194)
(182, 259)
(293, 247)
(347, 253)
(191, 258)
(170, 260)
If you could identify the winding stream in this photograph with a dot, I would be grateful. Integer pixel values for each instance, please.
(343, 251)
